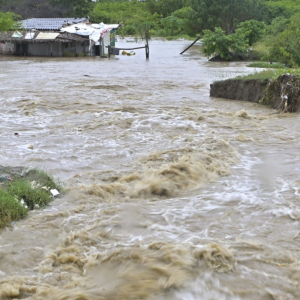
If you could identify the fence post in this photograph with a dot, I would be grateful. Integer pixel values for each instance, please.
(108, 49)
(147, 45)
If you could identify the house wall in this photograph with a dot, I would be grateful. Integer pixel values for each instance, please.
(7, 48)
(70, 49)
(57, 49)
(45, 49)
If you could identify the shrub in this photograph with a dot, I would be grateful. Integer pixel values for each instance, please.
(218, 42)
(32, 196)
(10, 209)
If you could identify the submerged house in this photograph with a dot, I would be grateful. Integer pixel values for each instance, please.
(58, 37)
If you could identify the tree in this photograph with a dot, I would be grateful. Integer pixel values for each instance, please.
(8, 21)
(217, 42)
(134, 15)
(207, 14)
(80, 8)
(165, 7)
(285, 46)
(255, 30)
(171, 25)
(183, 15)
(34, 8)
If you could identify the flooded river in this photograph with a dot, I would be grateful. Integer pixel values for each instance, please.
(173, 195)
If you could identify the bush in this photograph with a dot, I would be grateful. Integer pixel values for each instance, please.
(43, 179)
(10, 209)
(33, 197)
(26, 192)
(217, 42)
(284, 47)
(130, 30)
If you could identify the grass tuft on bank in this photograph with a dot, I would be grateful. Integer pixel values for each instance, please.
(266, 65)
(25, 192)
(10, 209)
(268, 74)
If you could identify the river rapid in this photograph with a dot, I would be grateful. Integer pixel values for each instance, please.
(172, 194)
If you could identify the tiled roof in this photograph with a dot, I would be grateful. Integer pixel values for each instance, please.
(49, 23)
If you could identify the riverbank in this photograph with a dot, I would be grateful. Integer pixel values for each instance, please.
(269, 88)
(23, 190)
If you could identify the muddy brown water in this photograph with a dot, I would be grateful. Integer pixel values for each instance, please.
(173, 194)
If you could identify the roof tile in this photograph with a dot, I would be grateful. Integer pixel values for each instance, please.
(49, 23)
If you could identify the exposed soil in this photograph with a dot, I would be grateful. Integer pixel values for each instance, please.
(282, 93)
(245, 90)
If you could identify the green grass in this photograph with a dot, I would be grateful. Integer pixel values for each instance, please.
(268, 74)
(266, 65)
(43, 179)
(25, 192)
(10, 209)
(33, 197)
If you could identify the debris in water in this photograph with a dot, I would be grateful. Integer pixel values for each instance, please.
(54, 192)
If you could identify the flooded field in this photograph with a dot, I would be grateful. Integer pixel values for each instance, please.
(173, 195)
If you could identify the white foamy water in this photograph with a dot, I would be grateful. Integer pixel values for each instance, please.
(173, 194)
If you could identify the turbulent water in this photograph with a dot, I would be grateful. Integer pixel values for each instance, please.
(173, 194)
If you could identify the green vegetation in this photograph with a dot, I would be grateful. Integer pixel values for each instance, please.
(268, 74)
(10, 209)
(24, 193)
(8, 21)
(218, 42)
(267, 65)
(269, 27)
(285, 47)
(80, 8)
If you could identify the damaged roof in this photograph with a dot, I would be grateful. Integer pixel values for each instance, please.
(33, 37)
(50, 23)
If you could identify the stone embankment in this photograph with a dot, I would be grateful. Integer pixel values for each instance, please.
(282, 93)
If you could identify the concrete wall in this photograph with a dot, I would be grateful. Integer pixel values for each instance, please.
(45, 49)
(71, 49)
(7, 48)
(57, 49)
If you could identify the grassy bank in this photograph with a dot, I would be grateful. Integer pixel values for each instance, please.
(21, 192)
(266, 65)
(268, 74)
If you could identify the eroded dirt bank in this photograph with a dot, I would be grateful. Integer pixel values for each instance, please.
(247, 90)
(281, 93)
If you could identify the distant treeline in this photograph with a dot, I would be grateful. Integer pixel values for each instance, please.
(167, 17)
(274, 24)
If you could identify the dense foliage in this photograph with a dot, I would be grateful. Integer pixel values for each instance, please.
(7, 21)
(285, 47)
(218, 42)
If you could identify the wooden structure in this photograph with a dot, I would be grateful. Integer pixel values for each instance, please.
(116, 51)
